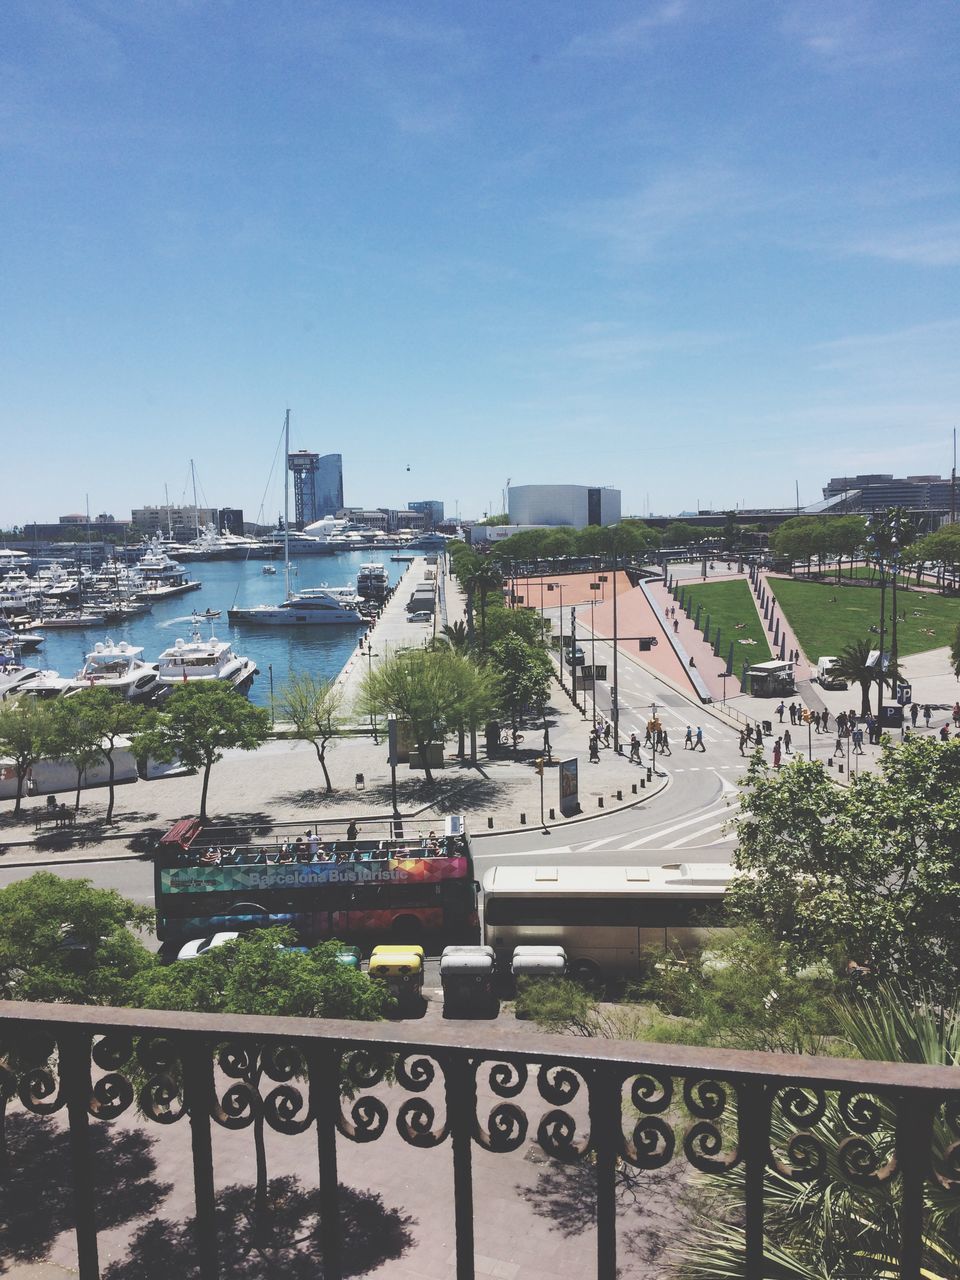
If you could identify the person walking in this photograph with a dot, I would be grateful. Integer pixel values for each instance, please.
(634, 748)
(839, 749)
(824, 719)
(676, 626)
(914, 712)
(793, 714)
(927, 713)
(352, 830)
(688, 739)
(858, 742)
(743, 740)
(606, 734)
(781, 709)
(699, 741)
(956, 714)
(594, 749)
(665, 744)
(787, 741)
(776, 754)
(816, 722)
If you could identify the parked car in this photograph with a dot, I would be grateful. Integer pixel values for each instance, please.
(198, 946)
(422, 616)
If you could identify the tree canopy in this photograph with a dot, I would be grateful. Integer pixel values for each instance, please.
(198, 723)
(312, 705)
(868, 873)
(26, 736)
(64, 940)
(419, 686)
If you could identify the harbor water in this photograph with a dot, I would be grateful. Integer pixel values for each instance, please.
(317, 650)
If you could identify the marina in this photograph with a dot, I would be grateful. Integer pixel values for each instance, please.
(225, 584)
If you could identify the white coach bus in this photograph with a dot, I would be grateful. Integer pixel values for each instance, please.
(604, 917)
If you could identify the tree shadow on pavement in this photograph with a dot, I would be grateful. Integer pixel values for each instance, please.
(650, 1209)
(451, 792)
(37, 1201)
(238, 828)
(290, 1247)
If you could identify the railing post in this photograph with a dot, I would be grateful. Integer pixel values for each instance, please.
(914, 1140)
(605, 1135)
(753, 1110)
(461, 1099)
(198, 1097)
(324, 1069)
(75, 1070)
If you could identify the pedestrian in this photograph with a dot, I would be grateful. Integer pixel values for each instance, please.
(699, 740)
(776, 754)
(594, 749)
(824, 718)
(841, 724)
(956, 714)
(914, 712)
(927, 713)
(787, 741)
(634, 748)
(648, 739)
(546, 743)
(688, 739)
(606, 734)
(944, 733)
(676, 626)
(816, 722)
(743, 740)
(665, 744)
(839, 748)
(793, 713)
(352, 830)
(781, 709)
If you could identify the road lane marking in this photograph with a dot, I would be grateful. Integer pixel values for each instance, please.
(677, 826)
(691, 835)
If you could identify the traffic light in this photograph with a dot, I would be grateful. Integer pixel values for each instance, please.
(806, 716)
(538, 765)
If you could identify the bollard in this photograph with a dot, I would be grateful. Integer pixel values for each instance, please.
(489, 824)
(619, 794)
(643, 784)
(523, 819)
(649, 775)
(552, 815)
(840, 767)
(599, 802)
(633, 788)
(830, 762)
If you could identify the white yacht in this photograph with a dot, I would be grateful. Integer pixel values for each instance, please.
(373, 582)
(198, 659)
(213, 544)
(311, 607)
(161, 577)
(120, 668)
(16, 677)
(314, 606)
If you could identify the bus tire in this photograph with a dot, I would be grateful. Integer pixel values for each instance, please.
(407, 929)
(588, 974)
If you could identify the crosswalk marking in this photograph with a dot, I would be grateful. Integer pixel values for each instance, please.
(716, 826)
(677, 826)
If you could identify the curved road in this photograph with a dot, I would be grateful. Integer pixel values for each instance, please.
(685, 822)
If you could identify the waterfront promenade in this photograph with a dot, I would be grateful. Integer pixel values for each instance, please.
(282, 783)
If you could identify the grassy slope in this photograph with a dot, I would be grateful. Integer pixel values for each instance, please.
(827, 618)
(729, 603)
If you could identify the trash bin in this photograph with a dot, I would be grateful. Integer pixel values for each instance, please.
(768, 726)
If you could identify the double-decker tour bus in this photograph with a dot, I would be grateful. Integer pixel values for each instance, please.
(363, 889)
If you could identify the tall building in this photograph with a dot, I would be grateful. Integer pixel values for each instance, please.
(432, 509)
(330, 485)
(317, 485)
(181, 522)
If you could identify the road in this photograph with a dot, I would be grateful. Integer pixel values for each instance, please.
(685, 822)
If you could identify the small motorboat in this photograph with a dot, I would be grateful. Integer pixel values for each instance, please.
(207, 613)
(269, 568)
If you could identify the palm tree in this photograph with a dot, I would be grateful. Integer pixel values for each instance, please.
(485, 578)
(832, 1226)
(853, 664)
(456, 635)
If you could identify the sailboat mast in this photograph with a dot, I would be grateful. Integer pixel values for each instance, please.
(166, 503)
(196, 509)
(286, 505)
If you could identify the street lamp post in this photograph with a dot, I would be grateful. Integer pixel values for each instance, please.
(273, 720)
(653, 735)
(723, 677)
(616, 691)
(594, 588)
(558, 586)
(373, 715)
(573, 658)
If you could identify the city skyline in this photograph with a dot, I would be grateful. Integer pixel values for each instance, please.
(706, 254)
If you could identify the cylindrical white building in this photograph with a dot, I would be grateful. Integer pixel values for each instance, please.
(575, 505)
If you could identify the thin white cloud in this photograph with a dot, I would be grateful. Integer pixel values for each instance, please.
(622, 40)
(706, 197)
(614, 345)
(931, 246)
(855, 33)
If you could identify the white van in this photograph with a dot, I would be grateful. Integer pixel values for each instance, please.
(827, 676)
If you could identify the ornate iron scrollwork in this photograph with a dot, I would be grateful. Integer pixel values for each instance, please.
(416, 1117)
(652, 1143)
(39, 1087)
(868, 1156)
(161, 1094)
(111, 1094)
(947, 1167)
(704, 1143)
(368, 1115)
(557, 1130)
(507, 1125)
(804, 1157)
(238, 1106)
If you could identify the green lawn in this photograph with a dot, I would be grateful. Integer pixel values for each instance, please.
(827, 618)
(729, 605)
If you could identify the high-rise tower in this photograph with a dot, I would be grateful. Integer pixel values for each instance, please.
(317, 485)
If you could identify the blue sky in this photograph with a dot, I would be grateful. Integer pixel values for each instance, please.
(699, 249)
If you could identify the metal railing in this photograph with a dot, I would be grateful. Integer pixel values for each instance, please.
(612, 1103)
